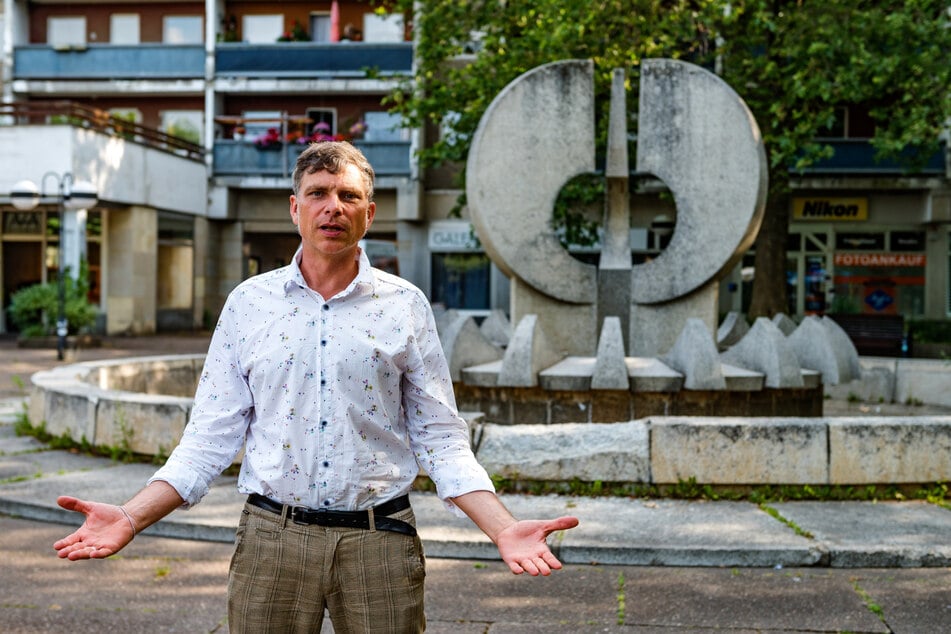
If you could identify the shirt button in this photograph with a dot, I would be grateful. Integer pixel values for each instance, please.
(323, 423)
(326, 502)
(326, 306)
(323, 382)
(326, 463)
(323, 342)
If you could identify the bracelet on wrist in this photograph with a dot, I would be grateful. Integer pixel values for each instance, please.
(131, 522)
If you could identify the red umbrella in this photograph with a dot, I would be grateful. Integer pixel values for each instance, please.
(334, 21)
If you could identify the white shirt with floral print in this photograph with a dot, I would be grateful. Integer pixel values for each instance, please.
(337, 403)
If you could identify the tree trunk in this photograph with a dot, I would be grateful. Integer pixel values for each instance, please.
(769, 282)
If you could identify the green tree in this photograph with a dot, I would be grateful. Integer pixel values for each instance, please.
(798, 63)
(795, 62)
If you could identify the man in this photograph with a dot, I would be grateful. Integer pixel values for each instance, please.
(331, 376)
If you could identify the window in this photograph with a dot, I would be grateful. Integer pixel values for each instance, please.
(322, 115)
(262, 29)
(461, 280)
(384, 126)
(184, 124)
(63, 32)
(383, 28)
(182, 29)
(124, 28)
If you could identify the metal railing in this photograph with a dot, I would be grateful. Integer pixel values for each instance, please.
(81, 116)
(275, 153)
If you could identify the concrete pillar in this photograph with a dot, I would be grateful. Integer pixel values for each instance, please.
(202, 245)
(132, 272)
(231, 261)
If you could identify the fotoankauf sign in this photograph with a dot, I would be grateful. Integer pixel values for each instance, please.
(879, 259)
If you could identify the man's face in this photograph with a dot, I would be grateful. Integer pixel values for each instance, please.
(331, 211)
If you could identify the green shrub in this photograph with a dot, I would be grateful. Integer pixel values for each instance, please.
(930, 330)
(34, 309)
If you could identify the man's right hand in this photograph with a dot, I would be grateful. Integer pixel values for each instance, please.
(105, 532)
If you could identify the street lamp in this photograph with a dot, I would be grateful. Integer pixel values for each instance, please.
(72, 195)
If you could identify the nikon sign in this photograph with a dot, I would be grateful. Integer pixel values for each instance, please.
(830, 209)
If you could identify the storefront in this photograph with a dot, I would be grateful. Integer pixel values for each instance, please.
(859, 255)
(30, 252)
(462, 275)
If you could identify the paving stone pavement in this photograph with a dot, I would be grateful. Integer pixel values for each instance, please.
(664, 566)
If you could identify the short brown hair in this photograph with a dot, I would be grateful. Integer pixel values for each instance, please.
(333, 157)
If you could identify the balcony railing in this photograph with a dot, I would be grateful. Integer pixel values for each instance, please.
(244, 158)
(109, 61)
(857, 156)
(80, 116)
(311, 59)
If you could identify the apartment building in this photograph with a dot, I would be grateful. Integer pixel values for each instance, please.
(209, 103)
(186, 119)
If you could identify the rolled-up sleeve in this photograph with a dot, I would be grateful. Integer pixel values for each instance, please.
(439, 437)
(219, 420)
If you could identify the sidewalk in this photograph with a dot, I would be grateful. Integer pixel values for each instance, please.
(679, 564)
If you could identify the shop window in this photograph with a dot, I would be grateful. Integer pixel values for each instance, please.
(182, 29)
(461, 280)
(124, 28)
(175, 261)
(815, 242)
(880, 283)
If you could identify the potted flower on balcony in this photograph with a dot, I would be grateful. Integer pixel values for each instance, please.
(297, 33)
(270, 140)
(321, 132)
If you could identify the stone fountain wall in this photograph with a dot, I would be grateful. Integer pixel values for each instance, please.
(111, 403)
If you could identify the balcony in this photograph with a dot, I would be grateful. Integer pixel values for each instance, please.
(244, 158)
(857, 156)
(318, 60)
(109, 61)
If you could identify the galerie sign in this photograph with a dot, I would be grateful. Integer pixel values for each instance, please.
(830, 209)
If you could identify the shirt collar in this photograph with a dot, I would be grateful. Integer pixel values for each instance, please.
(295, 279)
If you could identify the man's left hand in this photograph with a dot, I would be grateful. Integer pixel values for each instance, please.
(524, 548)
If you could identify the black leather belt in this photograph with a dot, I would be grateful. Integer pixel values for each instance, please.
(342, 519)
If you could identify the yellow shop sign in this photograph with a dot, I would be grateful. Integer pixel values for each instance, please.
(830, 209)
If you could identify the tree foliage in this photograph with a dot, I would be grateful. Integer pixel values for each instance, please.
(34, 309)
(796, 63)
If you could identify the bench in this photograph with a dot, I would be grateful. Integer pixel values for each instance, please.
(874, 335)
